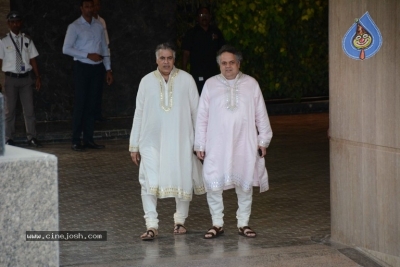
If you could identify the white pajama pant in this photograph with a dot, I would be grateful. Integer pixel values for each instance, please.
(216, 205)
(150, 210)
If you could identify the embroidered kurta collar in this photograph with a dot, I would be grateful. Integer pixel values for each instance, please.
(232, 92)
(174, 71)
(160, 78)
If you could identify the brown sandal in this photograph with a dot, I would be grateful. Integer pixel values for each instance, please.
(247, 232)
(218, 231)
(177, 228)
(149, 235)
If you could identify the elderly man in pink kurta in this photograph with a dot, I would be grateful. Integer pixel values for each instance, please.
(232, 136)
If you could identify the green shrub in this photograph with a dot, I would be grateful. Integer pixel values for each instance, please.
(284, 43)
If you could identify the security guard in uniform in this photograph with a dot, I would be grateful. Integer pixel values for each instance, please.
(17, 57)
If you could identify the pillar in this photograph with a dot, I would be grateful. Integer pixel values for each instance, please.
(365, 132)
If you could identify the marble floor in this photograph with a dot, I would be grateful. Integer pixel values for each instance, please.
(98, 190)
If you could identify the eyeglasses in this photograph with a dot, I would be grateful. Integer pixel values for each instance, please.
(204, 15)
(230, 63)
(166, 58)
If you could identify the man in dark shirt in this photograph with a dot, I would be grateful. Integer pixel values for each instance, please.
(200, 46)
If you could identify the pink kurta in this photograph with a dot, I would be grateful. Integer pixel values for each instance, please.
(229, 115)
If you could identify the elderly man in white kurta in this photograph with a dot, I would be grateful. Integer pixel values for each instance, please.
(162, 140)
(232, 136)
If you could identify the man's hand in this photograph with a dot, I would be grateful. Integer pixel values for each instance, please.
(135, 157)
(109, 78)
(263, 151)
(200, 154)
(38, 83)
(95, 57)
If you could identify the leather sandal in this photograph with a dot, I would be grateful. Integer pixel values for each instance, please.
(177, 229)
(213, 232)
(149, 235)
(247, 232)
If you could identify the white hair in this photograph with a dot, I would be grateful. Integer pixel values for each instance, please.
(165, 46)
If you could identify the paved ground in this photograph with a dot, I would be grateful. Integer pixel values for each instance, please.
(98, 190)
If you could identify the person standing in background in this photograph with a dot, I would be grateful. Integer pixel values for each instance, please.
(17, 58)
(200, 46)
(85, 41)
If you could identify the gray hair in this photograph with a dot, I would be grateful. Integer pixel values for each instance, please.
(165, 46)
(229, 49)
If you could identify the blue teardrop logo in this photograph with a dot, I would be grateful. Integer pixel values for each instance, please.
(363, 39)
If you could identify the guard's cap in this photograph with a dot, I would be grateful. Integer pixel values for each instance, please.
(14, 15)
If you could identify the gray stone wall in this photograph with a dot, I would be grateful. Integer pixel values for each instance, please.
(29, 202)
(135, 28)
(2, 125)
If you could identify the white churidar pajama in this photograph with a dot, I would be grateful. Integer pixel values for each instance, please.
(216, 205)
(149, 202)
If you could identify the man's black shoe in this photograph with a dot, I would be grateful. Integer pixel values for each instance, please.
(34, 142)
(10, 142)
(77, 147)
(93, 145)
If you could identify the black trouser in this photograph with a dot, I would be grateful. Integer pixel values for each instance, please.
(199, 85)
(98, 114)
(87, 78)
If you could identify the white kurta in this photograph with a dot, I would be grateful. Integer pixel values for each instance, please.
(163, 133)
(232, 121)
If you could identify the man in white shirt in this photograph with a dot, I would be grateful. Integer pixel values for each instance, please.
(18, 57)
(162, 140)
(86, 43)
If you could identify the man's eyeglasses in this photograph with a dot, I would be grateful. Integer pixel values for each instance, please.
(166, 58)
(204, 15)
(230, 63)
